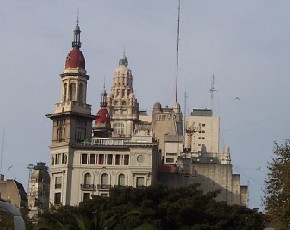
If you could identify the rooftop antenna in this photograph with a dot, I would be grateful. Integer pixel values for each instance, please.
(2, 150)
(177, 50)
(184, 115)
(212, 90)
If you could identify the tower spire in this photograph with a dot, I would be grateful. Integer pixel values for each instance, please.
(77, 35)
(104, 94)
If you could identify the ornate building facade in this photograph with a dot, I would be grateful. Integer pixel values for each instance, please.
(84, 165)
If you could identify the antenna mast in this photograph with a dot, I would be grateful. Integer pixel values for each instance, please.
(212, 90)
(2, 151)
(177, 50)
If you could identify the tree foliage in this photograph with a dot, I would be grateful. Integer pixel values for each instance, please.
(152, 208)
(277, 187)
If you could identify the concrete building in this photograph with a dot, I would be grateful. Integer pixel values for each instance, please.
(195, 157)
(38, 190)
(13, 192)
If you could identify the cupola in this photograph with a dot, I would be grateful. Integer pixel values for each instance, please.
(75, 58)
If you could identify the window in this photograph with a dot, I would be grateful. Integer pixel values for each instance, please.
(80, 99)
(92, 158)
(84, 158)
(121, 180)
(126, 159)
(203, 125)
(58, 181)
(119, 128)
(58, 158)
(117, 159)
(57, 198)
(64, 91)
(139, 181)
(64, 158)
(101, 159)
(110, 159)
(87, 178)
(171, 154)
(86, 196)
(59, 134)
(80, 133)
(72, 92)
(169, 160)
(104, 179)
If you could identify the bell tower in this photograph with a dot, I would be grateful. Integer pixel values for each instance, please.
(72, 116)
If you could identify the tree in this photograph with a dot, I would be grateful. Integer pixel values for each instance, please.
(155, 207)
(277, 187)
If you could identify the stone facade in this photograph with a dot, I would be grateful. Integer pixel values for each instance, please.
(12, 192)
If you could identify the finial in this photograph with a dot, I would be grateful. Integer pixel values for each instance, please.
(104, 97)
(124, 60)
(124, 51)
(78, 17)
(77, 34)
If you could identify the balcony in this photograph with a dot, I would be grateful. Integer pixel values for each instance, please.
(88, 187)
(103, 186)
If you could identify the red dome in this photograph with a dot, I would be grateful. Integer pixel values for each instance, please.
(103, 116)
(75, 59)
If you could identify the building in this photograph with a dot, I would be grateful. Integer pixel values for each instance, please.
(38, 190)
(195, 157)
(123, 146)
(13, 192)
(84, 165)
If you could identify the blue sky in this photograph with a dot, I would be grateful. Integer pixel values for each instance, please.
(244, 43)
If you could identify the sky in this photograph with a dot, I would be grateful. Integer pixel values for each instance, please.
(245, 44)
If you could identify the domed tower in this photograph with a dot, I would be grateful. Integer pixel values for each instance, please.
(72, 117)
(38, 194)
(102, 126)
(72, 125)
(122, 104)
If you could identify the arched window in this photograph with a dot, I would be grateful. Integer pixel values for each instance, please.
(72, 92)
(104, 179)
(121, 180)
(81, 87)
(87, 178)
(64, 91)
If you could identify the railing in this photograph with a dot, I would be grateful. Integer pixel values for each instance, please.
(88, 187)
(108, 141)
(103, 186)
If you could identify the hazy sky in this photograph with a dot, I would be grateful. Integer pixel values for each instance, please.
(244, 43)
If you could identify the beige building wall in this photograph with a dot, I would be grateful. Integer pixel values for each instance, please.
(202, 130)
(13, 192)
(97, 168)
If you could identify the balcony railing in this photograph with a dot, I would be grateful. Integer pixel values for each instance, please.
(108, 141)
(88, 187)
(104, 186)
